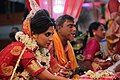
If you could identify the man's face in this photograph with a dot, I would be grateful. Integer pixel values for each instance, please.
(68, 30)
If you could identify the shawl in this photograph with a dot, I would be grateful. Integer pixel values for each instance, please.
(60, 52)
(113, 6)
(112, 36)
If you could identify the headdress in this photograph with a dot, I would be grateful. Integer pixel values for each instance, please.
(113, 6)
(34, 11)
(34, 8)
(26, 24)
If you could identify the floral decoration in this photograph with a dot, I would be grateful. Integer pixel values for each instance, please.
(42, 54)
(98, 75)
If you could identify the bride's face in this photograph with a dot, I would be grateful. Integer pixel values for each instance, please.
(45, 39)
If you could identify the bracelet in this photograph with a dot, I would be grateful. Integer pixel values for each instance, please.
(114, 57)
(70, 72)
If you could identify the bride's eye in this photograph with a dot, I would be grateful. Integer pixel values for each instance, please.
(48, 34)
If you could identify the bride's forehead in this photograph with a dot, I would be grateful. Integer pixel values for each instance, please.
(51, 28)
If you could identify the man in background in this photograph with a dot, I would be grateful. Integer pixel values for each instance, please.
(14, 30)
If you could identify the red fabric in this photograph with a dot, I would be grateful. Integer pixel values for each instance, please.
(69, 5)
(113, 6)
(117, 48)
(78, 9)
(91, 48)
(54, 65)
(66, 6)
(9, 58)
(28, 4)
(39, 71)
(73, 8)
(6, 57)
(84, 77)
(27, 58)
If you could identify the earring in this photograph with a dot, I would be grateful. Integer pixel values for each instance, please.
(34, 36)
(94, 33)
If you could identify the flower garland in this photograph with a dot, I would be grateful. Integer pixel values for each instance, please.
(30, 43)
(43, 57)
(42, 54)
(98, 75)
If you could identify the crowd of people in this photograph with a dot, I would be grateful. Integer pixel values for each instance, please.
(42, 50)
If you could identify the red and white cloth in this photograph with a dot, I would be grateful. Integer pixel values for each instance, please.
(114, 77)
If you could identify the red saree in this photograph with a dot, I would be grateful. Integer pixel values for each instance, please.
(90, 53)
(54, 65)
(94, 54)
(91, 48)
(9, 57)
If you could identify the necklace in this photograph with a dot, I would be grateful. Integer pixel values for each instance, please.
(42, 54)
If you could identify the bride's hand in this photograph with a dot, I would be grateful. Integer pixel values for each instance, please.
(65, 71)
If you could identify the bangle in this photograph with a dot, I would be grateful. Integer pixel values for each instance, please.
(114, 57)
(70, 72)
(55, 74)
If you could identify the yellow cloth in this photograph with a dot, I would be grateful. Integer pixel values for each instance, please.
(76, 77)
(109, 41)
(112, 36)
(26, 27)
(60, 52)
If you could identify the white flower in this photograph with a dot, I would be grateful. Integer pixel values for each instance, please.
(97, 76)
(31, 44)
(18, 34)
(43, 56)
(21, 76)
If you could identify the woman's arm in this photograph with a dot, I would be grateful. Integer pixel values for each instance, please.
(36, 70)
(88, 65)
(46, 75)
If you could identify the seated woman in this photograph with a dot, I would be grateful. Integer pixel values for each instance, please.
(29, 54)
(93, 52)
